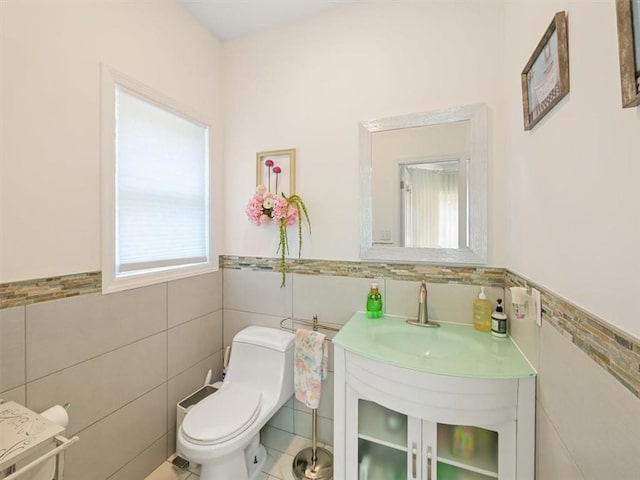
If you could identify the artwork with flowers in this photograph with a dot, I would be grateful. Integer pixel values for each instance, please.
(270, 204)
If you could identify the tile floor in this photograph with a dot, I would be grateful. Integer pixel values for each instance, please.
(281, 448)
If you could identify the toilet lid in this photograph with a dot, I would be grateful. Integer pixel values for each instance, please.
(223, 415)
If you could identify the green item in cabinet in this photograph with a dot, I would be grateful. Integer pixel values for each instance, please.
(447, 472)
(463, 441)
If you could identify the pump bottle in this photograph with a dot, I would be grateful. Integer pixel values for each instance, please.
(374, 302)
(482, 312)
(499, 322)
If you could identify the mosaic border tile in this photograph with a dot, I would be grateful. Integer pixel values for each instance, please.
(614, 350)
(26, 292)
(487, 276)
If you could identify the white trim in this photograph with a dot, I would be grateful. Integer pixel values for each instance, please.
(477, 251)
(110, 282)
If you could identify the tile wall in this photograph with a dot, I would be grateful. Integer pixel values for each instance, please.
(255, 298)
(587, 413)
(122, 360)
(140, 351)
(588, 421)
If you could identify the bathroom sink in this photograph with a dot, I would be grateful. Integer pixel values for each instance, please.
(453, 349)
(419, 342)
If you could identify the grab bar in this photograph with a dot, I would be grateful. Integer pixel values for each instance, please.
(314, 324)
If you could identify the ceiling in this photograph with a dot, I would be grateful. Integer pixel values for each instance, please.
(229, 19)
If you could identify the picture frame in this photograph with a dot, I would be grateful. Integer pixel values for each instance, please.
(628, 19)
(283, 182)
(545, 78)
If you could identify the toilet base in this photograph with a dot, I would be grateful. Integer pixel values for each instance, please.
(254, 469)
(242, 465)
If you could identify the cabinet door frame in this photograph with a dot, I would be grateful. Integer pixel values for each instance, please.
(351, 431)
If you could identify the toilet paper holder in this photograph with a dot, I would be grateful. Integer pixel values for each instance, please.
(21, 427)
(62, 442)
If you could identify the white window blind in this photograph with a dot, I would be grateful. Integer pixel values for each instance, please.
(162, 214)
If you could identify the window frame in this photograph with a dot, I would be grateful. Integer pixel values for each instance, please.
(110, 281)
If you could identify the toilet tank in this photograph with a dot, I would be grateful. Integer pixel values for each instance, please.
(263, 357)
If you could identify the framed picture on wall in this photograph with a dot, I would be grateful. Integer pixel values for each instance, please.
(545, 78)
(628, 14)
(276, 170)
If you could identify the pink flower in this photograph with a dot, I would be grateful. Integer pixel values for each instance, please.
(269, 163)
(254, 209)
(282, 209)
(292, 215)
(261, 189)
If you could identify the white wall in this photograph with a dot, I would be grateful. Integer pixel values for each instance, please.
(573, 180)
(308, 84)
(50, 115)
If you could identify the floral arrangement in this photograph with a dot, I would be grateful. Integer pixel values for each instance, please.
(265, 206)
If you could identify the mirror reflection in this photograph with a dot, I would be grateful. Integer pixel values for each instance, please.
(427, 206)
(424, 186)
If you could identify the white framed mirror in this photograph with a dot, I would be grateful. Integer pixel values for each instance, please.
(424, 187)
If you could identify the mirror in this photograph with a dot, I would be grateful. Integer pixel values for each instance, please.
(423, 187)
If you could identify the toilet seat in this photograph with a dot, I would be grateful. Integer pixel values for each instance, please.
(222, 416)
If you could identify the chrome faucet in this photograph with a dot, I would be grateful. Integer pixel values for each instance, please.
(423, 315)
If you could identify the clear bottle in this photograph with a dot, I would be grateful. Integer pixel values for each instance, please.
(482, 312)
(499, 321)
(374, 302)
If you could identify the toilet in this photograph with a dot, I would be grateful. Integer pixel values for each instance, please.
(222, 432)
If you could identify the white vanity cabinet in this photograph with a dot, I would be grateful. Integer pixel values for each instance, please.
(397, 423)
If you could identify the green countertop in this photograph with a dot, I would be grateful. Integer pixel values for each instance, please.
(452, 349)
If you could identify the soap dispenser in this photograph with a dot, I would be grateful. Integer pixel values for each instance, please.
(499, 321)
(482, 312)
(374, 302)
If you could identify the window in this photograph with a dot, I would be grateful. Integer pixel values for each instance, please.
(156, 179)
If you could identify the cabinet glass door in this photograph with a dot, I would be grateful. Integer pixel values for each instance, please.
(466, 453)
(382, 442)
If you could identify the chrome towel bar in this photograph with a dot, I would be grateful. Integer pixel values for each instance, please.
(314, 324)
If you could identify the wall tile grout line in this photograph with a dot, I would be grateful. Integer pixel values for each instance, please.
(118, 409)
(102, 354)
(137, 455)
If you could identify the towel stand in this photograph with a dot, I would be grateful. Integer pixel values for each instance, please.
(314, 324)
(313, 463)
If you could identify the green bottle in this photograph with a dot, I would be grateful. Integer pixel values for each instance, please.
(374, 302)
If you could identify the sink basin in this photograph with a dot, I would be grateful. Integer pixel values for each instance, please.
(453, 349)
(419, 342)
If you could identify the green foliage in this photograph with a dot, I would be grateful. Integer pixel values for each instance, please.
(283, 246)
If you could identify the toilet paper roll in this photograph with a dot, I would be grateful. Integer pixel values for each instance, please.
(44, 471)
(57, 414)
